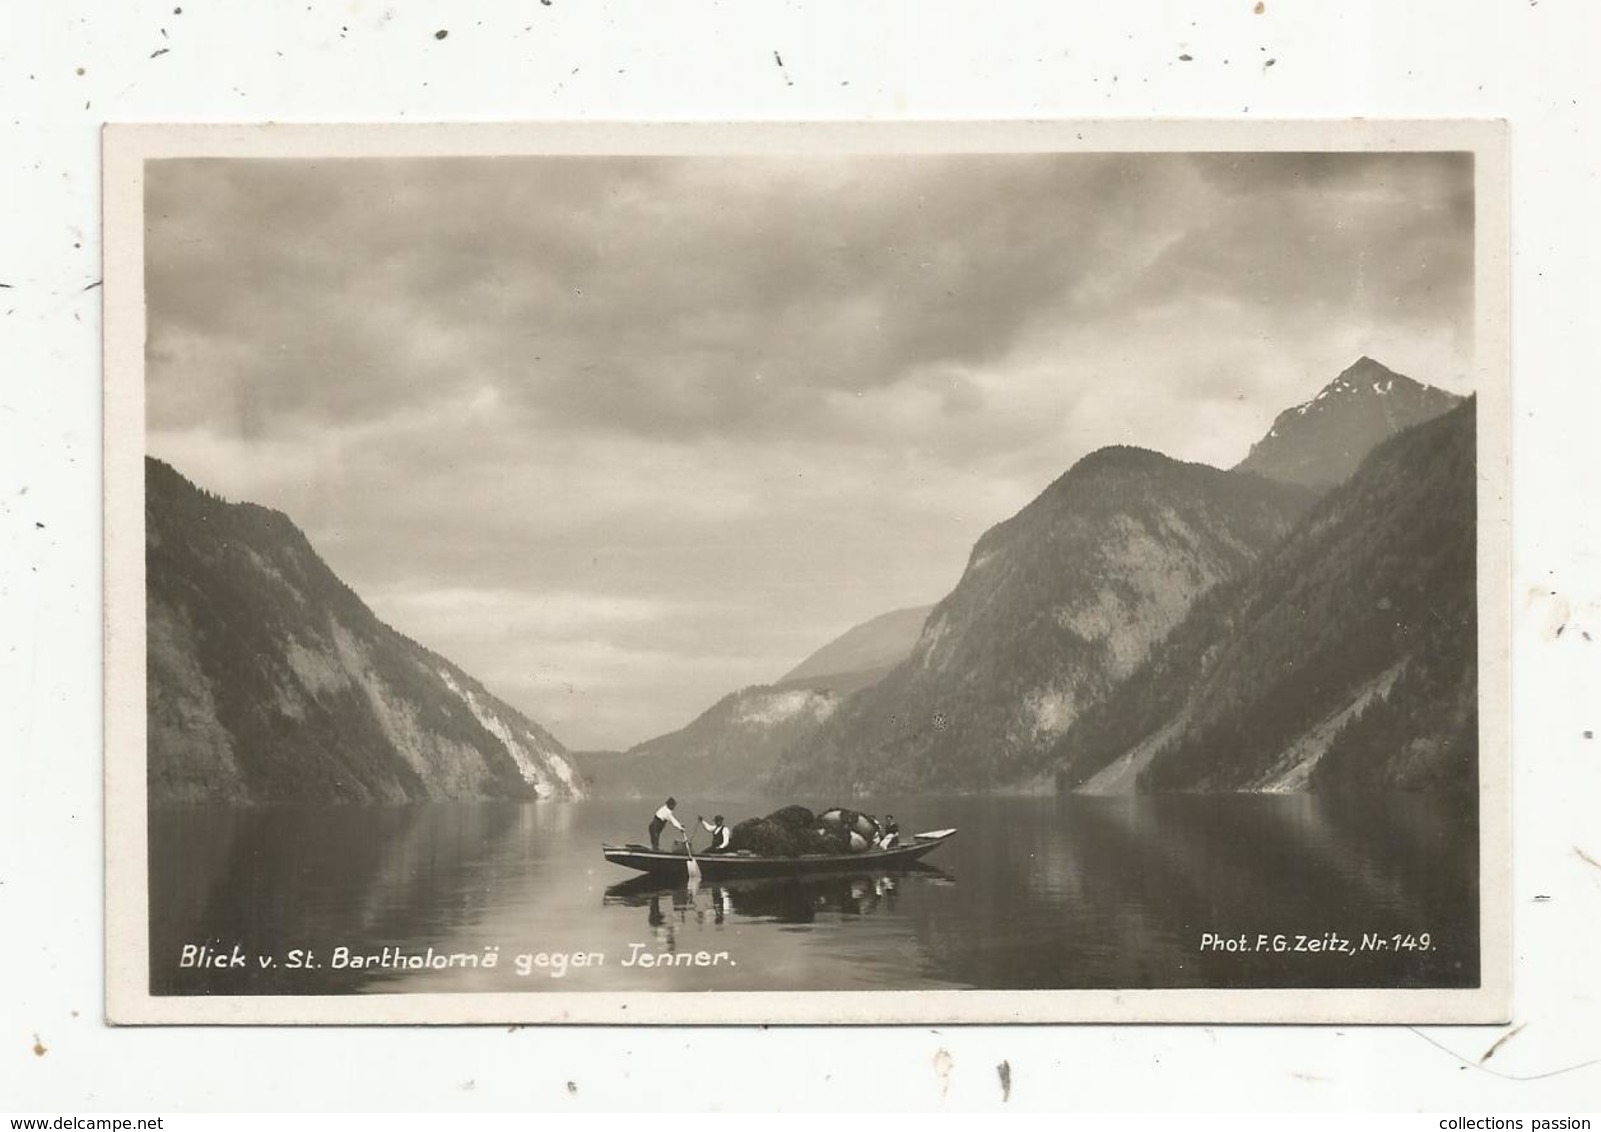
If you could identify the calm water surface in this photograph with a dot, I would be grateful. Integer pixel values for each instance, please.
(1033, 893)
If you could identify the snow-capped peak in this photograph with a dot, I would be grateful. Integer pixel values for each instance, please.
(1350, 381)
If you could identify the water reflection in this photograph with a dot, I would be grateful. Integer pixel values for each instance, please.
(1118, 892)
(781, 900)
(283, 879)
(1068, 892)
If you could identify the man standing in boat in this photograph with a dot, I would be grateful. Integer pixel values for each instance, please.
(720, 832)
(660, 821)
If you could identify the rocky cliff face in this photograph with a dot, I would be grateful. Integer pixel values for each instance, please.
(269, 680)
(1058, 604)
(1320, 442)
(1344, 660)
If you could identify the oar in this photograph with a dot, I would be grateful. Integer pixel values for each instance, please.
(694, 865)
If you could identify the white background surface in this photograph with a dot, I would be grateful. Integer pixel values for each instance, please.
(1526, 60)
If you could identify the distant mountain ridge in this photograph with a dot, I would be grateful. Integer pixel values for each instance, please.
(727, 751)
(1056, 606)
(862, 654)
(1320, 442)
(269, 680)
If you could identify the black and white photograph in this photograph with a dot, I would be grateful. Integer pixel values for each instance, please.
(793, 574)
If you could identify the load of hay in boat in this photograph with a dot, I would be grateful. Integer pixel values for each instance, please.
(794, 831)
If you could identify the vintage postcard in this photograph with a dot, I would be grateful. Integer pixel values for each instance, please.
(985, 572)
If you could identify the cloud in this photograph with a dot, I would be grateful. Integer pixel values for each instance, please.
(746, 402)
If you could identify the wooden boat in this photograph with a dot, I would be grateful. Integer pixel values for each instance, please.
(730, 866)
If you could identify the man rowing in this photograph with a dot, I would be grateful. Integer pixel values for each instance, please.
(661, 820)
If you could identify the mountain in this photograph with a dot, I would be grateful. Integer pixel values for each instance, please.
(862, 655)
(730, 748)
(1057, 605)
(1344, 660)
(1320, 443)
(725, 752)
(268, 679)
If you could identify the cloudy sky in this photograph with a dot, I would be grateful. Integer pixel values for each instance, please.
(621, 435)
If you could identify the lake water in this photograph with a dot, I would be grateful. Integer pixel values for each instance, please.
(1033, 893)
